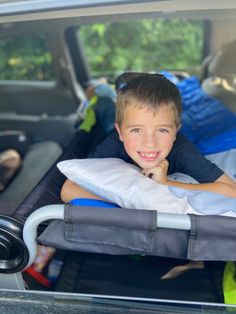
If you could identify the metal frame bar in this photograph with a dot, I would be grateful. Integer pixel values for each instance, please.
(164, 220)
(16, 282)
(33, 221)
(12, 281)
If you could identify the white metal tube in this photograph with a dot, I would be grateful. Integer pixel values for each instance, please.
(173, 221)
(30, 228)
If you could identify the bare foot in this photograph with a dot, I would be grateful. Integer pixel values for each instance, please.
(179, 270)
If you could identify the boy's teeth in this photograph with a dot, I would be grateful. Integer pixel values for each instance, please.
(148, 155)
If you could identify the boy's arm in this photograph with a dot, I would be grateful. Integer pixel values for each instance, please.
(71, 190)
(223, 185)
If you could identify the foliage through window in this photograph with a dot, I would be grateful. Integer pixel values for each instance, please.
(25, 58)
(143, 45)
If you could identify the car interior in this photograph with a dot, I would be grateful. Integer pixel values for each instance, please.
(47, 116)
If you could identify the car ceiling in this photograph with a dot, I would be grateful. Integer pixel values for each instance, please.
(17, 10)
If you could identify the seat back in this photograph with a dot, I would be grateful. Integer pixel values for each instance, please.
(221, 80)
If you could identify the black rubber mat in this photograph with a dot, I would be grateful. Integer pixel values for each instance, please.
(139, 276)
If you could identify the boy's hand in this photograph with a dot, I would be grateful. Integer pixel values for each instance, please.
(159, 173)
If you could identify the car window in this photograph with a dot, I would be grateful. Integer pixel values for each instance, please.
(143, 45)
(25, 58)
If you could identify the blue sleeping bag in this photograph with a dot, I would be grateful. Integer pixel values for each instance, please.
(205, 120)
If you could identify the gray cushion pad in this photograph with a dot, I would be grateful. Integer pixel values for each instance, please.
(37, 161)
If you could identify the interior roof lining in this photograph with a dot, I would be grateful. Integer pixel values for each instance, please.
(41, 25)
(27, 10)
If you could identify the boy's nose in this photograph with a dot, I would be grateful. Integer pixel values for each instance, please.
(149, 140)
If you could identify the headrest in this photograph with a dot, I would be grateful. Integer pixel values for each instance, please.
(224, 63)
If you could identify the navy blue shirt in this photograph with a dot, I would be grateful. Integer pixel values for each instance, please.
(184, 157)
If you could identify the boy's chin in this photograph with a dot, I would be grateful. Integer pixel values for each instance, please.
(148, 165)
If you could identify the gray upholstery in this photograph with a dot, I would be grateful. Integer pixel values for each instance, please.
(37, 161)
(219, 88)
(224, 63)
(221, 82)
(59, 129)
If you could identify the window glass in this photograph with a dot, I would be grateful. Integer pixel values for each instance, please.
(143, 45)
(25, 58)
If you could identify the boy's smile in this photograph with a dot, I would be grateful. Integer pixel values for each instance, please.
(148, 135)
(149, 156)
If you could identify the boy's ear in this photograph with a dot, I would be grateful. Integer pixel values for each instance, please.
(178, 130)
(118, 130)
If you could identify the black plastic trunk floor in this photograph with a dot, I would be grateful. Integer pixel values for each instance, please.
(139, 276)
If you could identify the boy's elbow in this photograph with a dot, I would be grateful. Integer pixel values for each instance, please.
(65, 191)
(71, 190)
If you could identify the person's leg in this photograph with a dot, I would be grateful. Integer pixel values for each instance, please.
(10, 163)
(179, 270)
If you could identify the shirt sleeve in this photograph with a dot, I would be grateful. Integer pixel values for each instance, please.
(187, 159)
(111, 147)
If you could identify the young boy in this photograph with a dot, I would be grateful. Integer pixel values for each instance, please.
(148, 118)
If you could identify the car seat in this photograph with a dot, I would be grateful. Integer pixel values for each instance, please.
(221, 72)
(37, 158)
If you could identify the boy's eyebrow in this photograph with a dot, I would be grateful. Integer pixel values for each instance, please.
(166, 125)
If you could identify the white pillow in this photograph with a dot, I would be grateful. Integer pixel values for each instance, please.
(122, 183)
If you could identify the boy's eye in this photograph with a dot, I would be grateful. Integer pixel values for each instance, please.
(135, 130)
(163, 130)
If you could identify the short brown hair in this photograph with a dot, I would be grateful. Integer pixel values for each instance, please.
(143, 89)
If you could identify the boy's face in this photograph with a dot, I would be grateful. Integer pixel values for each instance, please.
(148, 136)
